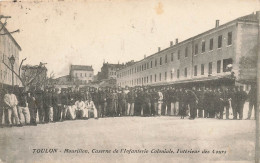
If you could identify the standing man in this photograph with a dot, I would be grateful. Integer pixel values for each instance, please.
(11, 105)
(241, 98)
(64, 105)
(252, 101)
(192, 100)
(160, 102)
(224, 103)
(39, 103)
(32, 107)
(130, 99)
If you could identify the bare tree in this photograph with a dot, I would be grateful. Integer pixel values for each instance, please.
(26, 80)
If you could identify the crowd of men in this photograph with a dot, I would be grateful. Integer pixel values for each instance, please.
(19, 107)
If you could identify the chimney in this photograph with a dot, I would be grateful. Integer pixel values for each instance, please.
(171, 43)
(159, 49)
(217, 23)
(176, 41)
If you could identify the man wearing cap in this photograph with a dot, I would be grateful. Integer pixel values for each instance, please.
(39, 103)
(32, 107)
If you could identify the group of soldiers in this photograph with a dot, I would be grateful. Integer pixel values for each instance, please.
(21, 107)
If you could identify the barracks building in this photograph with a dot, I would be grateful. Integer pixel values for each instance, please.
(212, 58)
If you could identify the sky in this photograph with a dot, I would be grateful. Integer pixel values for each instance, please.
(89, 32)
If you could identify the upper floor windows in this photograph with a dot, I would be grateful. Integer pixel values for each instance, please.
(229, 38)
(211, 44)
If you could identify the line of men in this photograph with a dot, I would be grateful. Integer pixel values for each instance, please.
(53, 105)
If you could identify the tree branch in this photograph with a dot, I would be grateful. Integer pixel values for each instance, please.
(3, 26)
(14, 72)
(37, 74)
(21, 66)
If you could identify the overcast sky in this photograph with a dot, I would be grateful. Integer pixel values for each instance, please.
(88, 32)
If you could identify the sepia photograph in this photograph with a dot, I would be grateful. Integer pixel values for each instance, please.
(129, 81)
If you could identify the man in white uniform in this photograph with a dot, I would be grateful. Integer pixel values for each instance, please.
(91, 108)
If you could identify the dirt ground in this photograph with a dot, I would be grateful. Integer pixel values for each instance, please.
(234, 139)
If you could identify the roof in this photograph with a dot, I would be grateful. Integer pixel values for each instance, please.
(6, 31)
(247, 18)
(81, 67)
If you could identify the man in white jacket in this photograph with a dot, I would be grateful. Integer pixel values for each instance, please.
(81, 112)
(91, 107)
(11, 103)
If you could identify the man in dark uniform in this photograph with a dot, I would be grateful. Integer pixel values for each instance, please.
(217, 102)
(146, 105)
(200, 95)
(122, 102)
(233, 92)
(32, 107)
(56, 105)
(39, 103)
(252, 101)
(209, 103)
(48, 104)
(64, 105)
(192, 101)
(241, 98)
(224, 103)
(167, 97)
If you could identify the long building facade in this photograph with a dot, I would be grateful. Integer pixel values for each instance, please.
(8, 47)
(215, 56)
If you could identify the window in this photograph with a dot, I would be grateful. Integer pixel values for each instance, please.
(178, 73)
(151, 78)
(210, 68)
(171, 74)
(211, 44)
(142, 67)
(160, 60)
(202, 69)
(229, 38)
(195, 70)
(218, 66)
(179, 54)
(220, 41)
(165, 76)
(155, 78)
(142, 80)
(155, 63)
(196, 49)
(166, 58)
(186, 52)
(227, 62)
(160, 77)
(172, 57)
(185, 72)
(151, 64)
(147, 79)
(147, 65)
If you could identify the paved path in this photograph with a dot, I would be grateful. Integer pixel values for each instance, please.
(235, 137)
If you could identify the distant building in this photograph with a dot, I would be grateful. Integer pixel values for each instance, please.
(8, 47)
(224, 55)
(108, 71)
(82, 74)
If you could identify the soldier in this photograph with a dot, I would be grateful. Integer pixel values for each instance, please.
(122, 103)
(217, 102)
(154, 101)
(160, 102)
(96, 99)
(71, 105)
(200, 95)
(23, 110)
(56, 105)
(64, 105)
(182, 103)
(103, 102)
(192, 100)
(167, 100)
(224, 103)
(233, 92)
(209, 103)
(130, 99)
(114, 103)
(110, 102)
(241, 98)
(32, 108)
(39, 103)
(146, 103)
(252, 101)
